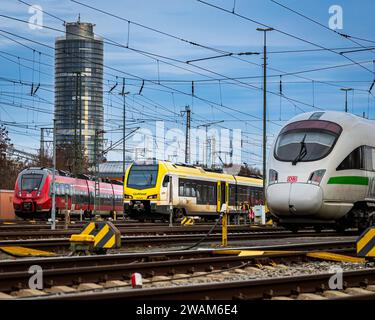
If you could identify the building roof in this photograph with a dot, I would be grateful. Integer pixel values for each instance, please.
(111, 169)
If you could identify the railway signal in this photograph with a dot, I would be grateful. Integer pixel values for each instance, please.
(366, 244)
(98, 236)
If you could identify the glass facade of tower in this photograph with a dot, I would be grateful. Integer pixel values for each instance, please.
(79, 87)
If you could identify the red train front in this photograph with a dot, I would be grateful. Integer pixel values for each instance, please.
(32, 195)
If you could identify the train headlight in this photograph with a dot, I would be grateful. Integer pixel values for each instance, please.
(128, 196)
(20, 194)
(273, 176)
(316, 177)
(154, 196)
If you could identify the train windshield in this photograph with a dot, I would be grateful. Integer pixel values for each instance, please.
(296, 146)
(31, 182)
(142, 176)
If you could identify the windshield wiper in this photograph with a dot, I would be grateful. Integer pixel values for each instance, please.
(302, 152)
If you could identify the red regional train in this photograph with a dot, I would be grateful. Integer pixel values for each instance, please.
(32, 194)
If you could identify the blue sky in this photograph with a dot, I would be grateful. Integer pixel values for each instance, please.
(199, 23)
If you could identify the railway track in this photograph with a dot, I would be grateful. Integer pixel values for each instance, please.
(359, 285)
(180, 239)
(133, 231)
(17, 225)
(156, 267)
(40, 225)
(139, 257)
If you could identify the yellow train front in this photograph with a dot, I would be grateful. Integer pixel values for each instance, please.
(156, 189)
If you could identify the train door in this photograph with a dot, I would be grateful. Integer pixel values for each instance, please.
(86, 196)
(165, 189)
(170, 191)
(113, 198)
(227, 194)
(222, 194)
(218, 197)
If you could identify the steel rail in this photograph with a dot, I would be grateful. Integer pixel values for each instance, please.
(246, 289)
(58, 243)
(75, 270)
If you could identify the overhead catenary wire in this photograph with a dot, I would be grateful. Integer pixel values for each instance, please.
(28, 39)
(281, 32)
(162, 80)
(140, 78)
(344, 35)
(164, 33)
(237, 78)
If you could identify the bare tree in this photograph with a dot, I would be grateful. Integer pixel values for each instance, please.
(247, 171)
(65, 158)
(9, 167)
(42, 160)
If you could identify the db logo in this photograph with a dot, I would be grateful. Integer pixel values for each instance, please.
(292, 179)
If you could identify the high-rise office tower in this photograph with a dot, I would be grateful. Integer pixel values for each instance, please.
(79, 88)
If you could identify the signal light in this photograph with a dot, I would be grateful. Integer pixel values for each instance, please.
(316, 177)
(273, 176)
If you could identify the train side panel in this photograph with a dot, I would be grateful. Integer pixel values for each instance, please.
(32, 198)
(185, 190)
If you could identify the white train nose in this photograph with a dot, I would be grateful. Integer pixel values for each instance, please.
(294, 199)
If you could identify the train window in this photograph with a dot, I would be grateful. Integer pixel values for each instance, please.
(198, 191)
(30, 182)
(193, 193)
(181, 190)
(58, 189)
(367, 158)
(187, 190)
(304, 145)
(355, 160)
(372, 151)
(142, 176)
(203, 191)
(205, 194)
(253, 197)
(165, 181)
(242, 194)
(211, 195)
(232, 195)
(202, 194)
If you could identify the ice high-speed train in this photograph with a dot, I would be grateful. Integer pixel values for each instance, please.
(322, 172)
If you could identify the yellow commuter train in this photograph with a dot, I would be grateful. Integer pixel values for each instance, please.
(155, 189)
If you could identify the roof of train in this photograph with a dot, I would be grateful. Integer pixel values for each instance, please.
(344, 119)
(66, 175)
(195, 171)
